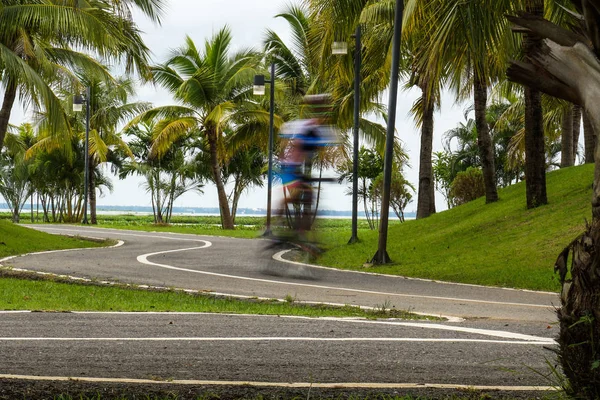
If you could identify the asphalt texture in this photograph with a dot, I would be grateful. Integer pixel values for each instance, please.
(504, 337)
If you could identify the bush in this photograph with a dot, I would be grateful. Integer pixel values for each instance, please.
(468, 185)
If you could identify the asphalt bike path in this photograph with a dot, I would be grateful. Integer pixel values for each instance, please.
(502, 340)
(243, 267)
(237, 349)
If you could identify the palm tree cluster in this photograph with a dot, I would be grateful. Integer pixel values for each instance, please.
(216, 131)
(218, 128)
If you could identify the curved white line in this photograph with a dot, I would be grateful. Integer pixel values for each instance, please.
(423, 325)
(278, 257)
(143, 260)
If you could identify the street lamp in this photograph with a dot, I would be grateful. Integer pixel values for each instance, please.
(341, 48)
(78, 101)
(381, 256)
(259, 90)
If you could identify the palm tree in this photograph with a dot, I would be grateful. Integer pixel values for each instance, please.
(37, 38)
(109, 108)
(168, 176)
(15, 179)
(211, 86)
(474, 58)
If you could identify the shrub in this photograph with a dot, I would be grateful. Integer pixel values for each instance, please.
(468, 185)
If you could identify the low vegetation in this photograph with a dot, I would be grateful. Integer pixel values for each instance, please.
(16, 240)
(29, 291)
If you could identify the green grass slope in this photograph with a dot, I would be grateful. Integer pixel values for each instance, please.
(501, 244)
(15, 239)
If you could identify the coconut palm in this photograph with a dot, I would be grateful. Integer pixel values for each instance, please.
(168, 176)
(37, 38)
(211, 86)
(109, 108)
(15, 182)
(476, 57)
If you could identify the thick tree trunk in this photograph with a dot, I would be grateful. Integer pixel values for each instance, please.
(226, 220)
(566, 154)
(589, 139)
(484, 139)
(535, 149)
(576, 130)
(426, 202)
(575, 66)
(579, 337)
(10, 94)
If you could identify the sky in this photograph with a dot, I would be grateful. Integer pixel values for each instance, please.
(248, 21)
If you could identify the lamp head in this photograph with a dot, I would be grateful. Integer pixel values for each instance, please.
(259, 85)
(77, 103)
(339, 48)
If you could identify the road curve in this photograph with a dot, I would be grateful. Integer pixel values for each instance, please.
(237, 267)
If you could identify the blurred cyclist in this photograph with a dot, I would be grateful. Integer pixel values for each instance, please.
(305, 137)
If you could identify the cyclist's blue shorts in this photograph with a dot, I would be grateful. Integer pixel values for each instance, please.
(290, 175)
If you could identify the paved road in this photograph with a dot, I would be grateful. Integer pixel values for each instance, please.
(500, 342)
(264, 349)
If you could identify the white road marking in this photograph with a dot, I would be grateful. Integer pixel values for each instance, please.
(265, 339)
(307, 385)
(279, 257)
(144, 260)
(422, 325)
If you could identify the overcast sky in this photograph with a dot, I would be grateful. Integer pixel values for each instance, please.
(248, 21)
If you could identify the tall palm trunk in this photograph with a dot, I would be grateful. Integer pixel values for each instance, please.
(426, 199)
(10, 95)
(589, 139)
(484, 139)
(566, 154)
(226, 220)
(535, 151)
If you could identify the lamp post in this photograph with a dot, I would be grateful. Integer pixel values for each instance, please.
(381, 256)
(78, 101)
(259, 90)
(341, 48)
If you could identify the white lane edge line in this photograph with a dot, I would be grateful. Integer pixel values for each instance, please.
(144, 260)
(336, 385)
(452, 328)
(270, 339)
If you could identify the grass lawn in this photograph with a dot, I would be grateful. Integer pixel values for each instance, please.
(30, 292)
(16, 240)
(500, 244)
